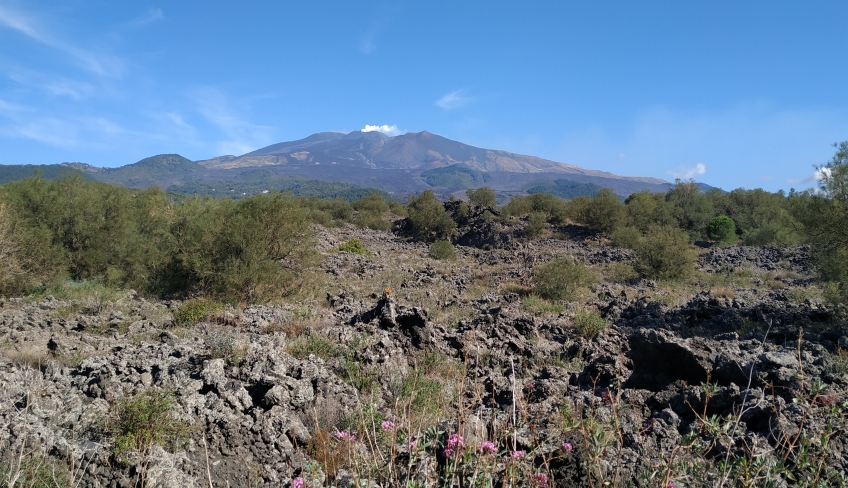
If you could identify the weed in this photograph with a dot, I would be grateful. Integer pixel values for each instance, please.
(560, 279)
(442, 250)
(312, 343)
(35, 472)
(353, 246)
(839, 362)
(193, 311)
(587, 323)
(144, 420)
(539, 306)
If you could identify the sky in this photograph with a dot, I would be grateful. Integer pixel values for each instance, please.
(734, 94)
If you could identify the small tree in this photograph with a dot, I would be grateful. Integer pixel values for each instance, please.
(537, 222)
(722, 229)
(664, 253)
(442, 250)
(482, 196)
(605, 211)
(428, 217)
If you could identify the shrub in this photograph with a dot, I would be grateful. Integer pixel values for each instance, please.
(428, 217)
(664, 253)
(587, 323)
(604, 212)
(626, 237)
(537, 222)
(560, 279)
(722, 229)
(482, 196)
(353, 246)
(193, 311)
(442, 250)
(146, 419)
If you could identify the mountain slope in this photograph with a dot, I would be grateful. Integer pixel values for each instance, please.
(414, 150)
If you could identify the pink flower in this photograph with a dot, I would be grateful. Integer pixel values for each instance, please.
(669, 485)
(456, 441)
(516, 454)
(567, 446)
(413, 443)
(488, 447)
(345, 436)
(388, 425)
(540, 479)
(297, 483)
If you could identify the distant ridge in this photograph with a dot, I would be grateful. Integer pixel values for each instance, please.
(402, 165)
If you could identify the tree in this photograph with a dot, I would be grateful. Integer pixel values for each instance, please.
(722, 229)
(824, 216)
(428, 217)
(482, 196)
(605, 212)
(664, 254)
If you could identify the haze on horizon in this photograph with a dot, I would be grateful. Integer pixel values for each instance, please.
(735, 95)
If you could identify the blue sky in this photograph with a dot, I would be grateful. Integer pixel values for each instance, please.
(735, 94)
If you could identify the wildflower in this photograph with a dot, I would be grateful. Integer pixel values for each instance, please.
(488, 447)
(670, 485)
(387, 425)
(540, 479)
(455, 443)
(298, 483)
(345, 436)
(567, 446)
(412, 444)
(516, 454)
(388, 291)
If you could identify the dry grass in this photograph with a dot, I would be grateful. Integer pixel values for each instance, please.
(27, 358)
(722, 292)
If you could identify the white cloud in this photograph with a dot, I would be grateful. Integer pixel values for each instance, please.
(817, 176)
(685, 172)
(452, 100)
(98, 64)
(389, 130)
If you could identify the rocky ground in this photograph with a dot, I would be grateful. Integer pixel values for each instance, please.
(394, 369)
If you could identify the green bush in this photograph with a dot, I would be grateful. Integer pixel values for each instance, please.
(626, 237)
(146, 419)
(428, 217)
(722, 229)
(353, 246)
(193, 311)
(482, 196)
(560, 279)
(442, 250)
(605, 212)
(664, 253)
(537, 223)
(587, 323)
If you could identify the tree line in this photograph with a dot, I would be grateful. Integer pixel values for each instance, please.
(255, 248)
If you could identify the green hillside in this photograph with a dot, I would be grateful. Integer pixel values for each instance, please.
(456, 176)
(257, 181)
(15, 172)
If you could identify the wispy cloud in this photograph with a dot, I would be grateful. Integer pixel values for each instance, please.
(152, 15)
(99, 64)
(390, 130)
(241, 135)
(452, 100)
(685, 172)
